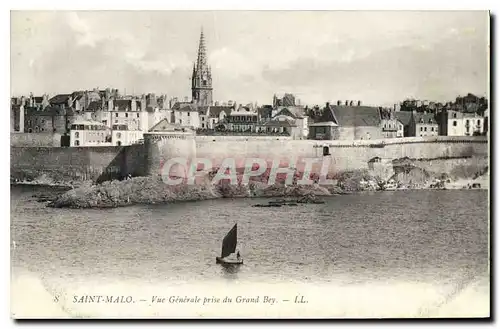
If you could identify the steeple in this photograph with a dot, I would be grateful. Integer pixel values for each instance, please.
(202, 76)
(202, 52)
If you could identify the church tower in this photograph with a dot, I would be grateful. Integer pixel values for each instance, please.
(201, 82)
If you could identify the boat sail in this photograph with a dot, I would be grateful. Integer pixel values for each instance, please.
(229, 247)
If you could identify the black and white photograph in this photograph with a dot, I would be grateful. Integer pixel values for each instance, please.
(249, 164)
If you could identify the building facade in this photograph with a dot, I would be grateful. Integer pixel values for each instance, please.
(89, 133)
(423, 125)
(455, 123)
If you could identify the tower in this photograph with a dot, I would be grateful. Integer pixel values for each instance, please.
(201, 82)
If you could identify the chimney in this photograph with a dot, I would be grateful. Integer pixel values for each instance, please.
(346, 103)
(339, 103)
(327, 104)
(350, 103)
(359, 103)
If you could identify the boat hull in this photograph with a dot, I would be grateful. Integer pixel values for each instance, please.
(220, 260)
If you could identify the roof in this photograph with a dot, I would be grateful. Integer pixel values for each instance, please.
(48, 111)
(356, 115)
(427, 118)
(164, 125)
(187, 108)
(38, 99)
(403, 116)
(87, 122)
(94, 106)
(280, 123)
(215, 111)
(77, 95)
(244, 111)
(265, 112)
(59, 99)
(292, 111)
(122, 104)
(323, 124)
(177, 105)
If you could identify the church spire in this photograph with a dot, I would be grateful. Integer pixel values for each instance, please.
(202, 52)
(202, 76)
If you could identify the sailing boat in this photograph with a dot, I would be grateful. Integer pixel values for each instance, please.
(229, 247)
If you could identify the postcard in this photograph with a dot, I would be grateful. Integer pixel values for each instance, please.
(250, 164)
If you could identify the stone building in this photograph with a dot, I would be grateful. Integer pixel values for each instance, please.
(455, 123)
(423, 124)
(89, 133)
(347, 122)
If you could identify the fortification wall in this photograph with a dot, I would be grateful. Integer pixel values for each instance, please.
(159, 149)
(344, 155)
(74, 164)
(35, 140)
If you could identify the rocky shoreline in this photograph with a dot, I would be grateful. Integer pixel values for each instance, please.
(152, 190)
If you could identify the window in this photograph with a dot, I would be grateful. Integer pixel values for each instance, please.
(202, 125)
(137, 114)
(421, 128)
(454, 123)
(118, 135)
(326, 150)
(126, 115)
(189, 113)
(77, 135)
(119, 143)
(432, 128)
(425, 129)
(454, 115)
(478, 122)
(202, 118)
(77, 142)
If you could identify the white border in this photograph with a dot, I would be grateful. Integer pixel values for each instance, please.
(185, 5)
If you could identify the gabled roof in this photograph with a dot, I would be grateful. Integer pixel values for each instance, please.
(403, 116)
(215, 111)
(77, 95)
(427, 118)
(60, 99)
(292, 111)
(356, 116)
(164, 125)
(187, 108)
(177, 105)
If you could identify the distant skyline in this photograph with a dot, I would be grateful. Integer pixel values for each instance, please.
(376, 57)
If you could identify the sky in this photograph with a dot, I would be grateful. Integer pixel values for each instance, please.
(377, 57)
